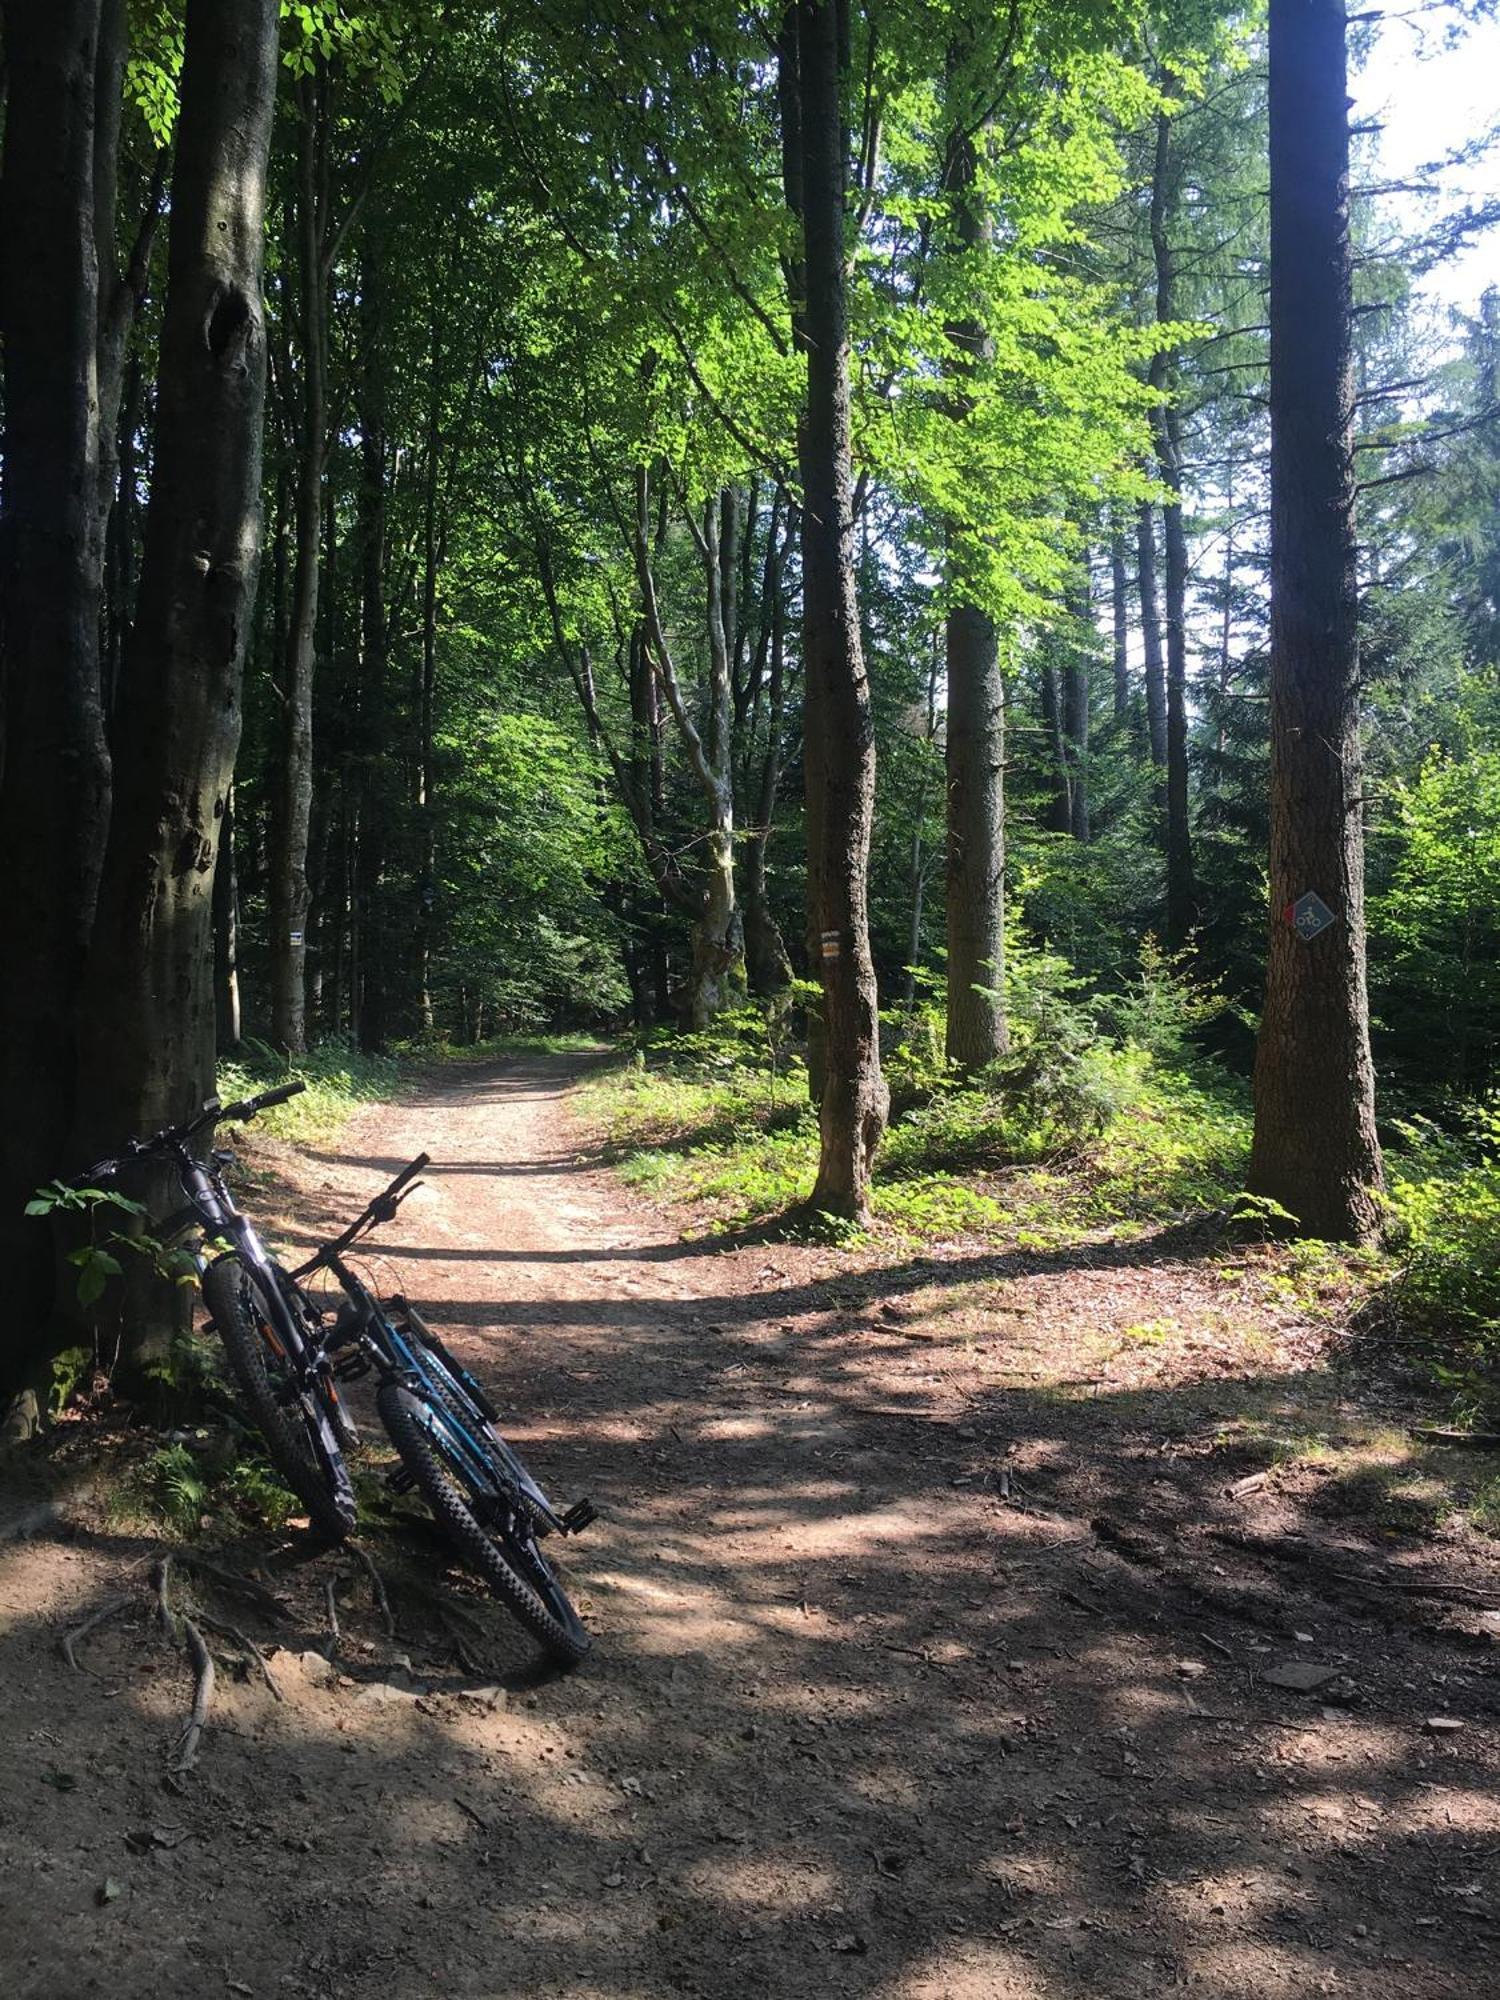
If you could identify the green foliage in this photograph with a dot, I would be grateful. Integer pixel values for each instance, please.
(340, 1080)
(203, 1477)
(1449, 1287)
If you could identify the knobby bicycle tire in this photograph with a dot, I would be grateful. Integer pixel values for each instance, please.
(505, 1562)
(315, 1471)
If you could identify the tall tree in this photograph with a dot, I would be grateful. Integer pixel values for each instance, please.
(1167, 427)
(1315, 1148)
(838, 733)
(148, 1044)
(54, 768)
(975, 751)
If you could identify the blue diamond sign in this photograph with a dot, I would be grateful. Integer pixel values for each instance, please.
(1311, 916)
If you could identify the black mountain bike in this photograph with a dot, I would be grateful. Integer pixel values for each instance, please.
(268, 1331)
(443, 1425)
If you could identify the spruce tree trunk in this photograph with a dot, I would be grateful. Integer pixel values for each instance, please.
(149, 1014)
(1182, 895)
(1315, 1149)
(54, 767)
(1120, 610)
(767, 965)
(976, 1030)
(839, 746)
(1156, 677)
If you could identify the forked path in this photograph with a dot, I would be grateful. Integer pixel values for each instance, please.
(907, 1682)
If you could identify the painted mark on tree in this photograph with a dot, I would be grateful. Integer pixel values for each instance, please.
(1309, 916)
(831, 945)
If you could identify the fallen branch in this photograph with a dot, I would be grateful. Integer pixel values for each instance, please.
(243, 1639)
(69, 1640)
(1453, 1593)
(203, 1694)
(333, 1617)
(1461, 1440)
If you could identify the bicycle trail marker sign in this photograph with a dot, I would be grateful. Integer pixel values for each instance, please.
(1310, 916)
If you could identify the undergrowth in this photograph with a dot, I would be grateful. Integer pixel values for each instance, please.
(1089, 1118)
(340, 1080)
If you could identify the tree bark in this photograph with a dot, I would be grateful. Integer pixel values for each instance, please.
(54, 767)
(148, 1047)
(976, 1029)
(839, 736)
(1315, 1148)
(227, 1026)
(717, 978)
(1120, 609)
(1182, 894)
(1156, 678)
(292, 797)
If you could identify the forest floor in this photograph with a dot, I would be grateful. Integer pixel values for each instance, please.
(969, 1623)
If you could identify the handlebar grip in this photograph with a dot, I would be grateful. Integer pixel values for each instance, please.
(409, 1173)
(279, 1095)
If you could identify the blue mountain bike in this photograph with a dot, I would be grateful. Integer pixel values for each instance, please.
(443, 1426)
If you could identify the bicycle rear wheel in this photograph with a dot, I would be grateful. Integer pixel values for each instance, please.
(298, 1437)
(507, 1557)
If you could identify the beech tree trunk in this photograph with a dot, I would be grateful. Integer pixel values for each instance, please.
(54, 767)
(289, 896)
(148, 1044)
(839, 739)
(1315, 1148)
(976, 1032)
(717, 976)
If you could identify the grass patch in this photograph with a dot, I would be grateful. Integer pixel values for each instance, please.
(714, 1123)
(340, 1080)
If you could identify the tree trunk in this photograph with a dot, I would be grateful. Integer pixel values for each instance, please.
(1315, 1149)
(371, 721)
(54, 768)
(1182, 895)
(292, 797)
(717, 977)
(1058, 817)
(148, 1048)
(976, 1030)
(839, 736)
(1156, 679)
(226, 937)
(1120, 608)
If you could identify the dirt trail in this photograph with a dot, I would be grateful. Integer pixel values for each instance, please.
(907, 1681)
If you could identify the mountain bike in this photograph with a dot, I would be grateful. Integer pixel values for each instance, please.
(443, 1425)
(269, 1334)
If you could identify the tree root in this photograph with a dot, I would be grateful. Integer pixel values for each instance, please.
(203, 1694)
(70, 1639)
(333, 1617)
(245, 1586)
(377, 1585)
(243, 1639)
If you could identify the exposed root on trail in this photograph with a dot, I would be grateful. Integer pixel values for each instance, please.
(203, 1693)
(70, 1639)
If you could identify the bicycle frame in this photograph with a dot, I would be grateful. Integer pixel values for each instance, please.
(410, 1361)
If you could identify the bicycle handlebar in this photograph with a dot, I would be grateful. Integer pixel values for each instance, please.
(380, 1209)
(212, 1112)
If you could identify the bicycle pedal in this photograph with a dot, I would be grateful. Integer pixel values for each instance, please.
(582, 1514)
(400, 1481)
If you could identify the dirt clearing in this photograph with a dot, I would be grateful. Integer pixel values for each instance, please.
(924, 1667)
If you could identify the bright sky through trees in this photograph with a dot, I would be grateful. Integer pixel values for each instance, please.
(1433, 99)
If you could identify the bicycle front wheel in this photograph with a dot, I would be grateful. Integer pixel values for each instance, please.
(507, 1557)
(298, 1436)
